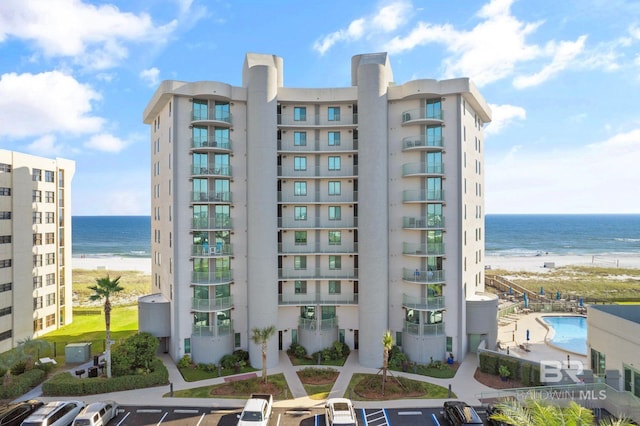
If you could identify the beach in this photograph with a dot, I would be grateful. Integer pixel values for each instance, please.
(113, 263)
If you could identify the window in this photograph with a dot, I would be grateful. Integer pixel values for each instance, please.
(5, 191)
(334, 188)
(51, 258)
(335, 262)
(6, 287)
(5, 311)
(334, 163)
(598, 362)
(36, 175)
(50, 238)
(334, 113)
(37, 282)
(334, 287)
(37, 218)
(6, 335)
(301, 237)
(335, 213)
(200, 108)
(5, 263)
(187, 345)
(335, 238)
(334, 138)
(51, 299)
(300, 212)
(51, 320)
(4, 167)
(49, 196)
(300, 287)
(300, 163)
(300, 138)
(5, 239)
(300, 262)
(300, 113)
(49, 176)
(37, 302)
(50, 217)
(37, 239)
(37, 324)
(5, 215)
(37, 260)
(51, 279)
(434, 109)
(36, 196)
(300, 188)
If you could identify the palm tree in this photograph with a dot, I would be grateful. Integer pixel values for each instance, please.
(260, 336)
(104, 288)
(387, 344)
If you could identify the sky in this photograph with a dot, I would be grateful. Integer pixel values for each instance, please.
(562, 79)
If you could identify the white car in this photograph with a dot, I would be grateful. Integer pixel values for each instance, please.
(55, 413)
(340, 411)
(97, 414)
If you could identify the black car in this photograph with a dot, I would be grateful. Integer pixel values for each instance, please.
(459, 413)
(13, 414)
(491, 410)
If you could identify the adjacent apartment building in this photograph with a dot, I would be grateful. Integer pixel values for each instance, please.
(329, 213)
(35, 246)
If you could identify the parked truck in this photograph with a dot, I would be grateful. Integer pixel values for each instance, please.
(256, 411)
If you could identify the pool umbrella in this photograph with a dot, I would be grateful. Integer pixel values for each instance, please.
(558, 295)
(510, 290)
(527, 334)
(525, 299)
(581, 303)
(541, 291)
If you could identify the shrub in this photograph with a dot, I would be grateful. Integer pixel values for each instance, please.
(241, 355)
(488, 363)
(297, 350)
(185, 362)
(22, 384)
(228, 361)
(135, 353)
(19, 368)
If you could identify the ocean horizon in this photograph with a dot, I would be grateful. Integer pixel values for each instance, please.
(505, 235)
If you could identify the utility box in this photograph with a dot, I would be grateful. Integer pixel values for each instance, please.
(77, 352)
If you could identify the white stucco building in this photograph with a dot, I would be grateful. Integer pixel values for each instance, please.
(35, 246)
(330, 213)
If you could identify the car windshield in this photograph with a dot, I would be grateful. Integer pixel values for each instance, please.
(251, 416)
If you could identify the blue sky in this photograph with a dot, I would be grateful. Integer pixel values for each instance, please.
(562, 78)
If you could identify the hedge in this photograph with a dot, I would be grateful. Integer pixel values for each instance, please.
(22, 383)
(65, 384)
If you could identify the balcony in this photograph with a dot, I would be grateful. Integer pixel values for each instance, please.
(317, 222)
(317, 248)
(422, 142)
(211, 224)
(424, 329)
(211, 197)
(317, 299)
(429, 222)
(417, 249)
(214, 250)
(422, 196)
(423, 303)
(211, 144)
(223, 329)
(345, 119)
(317, 146)
(422, 116)
(211, 305)
(317, 324)
(214, 171)
(317, 197)
(318, 274)
(212, 278)
(213, 116)
(422, 169)
(423, 277)
(345, 171)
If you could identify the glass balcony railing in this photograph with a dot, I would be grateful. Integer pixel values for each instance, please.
(197, 143)
(422, 141)
(422, 114)
(211, 197)
(422, 276)
(318, 273)
(317, 324)
(317, 146)
(345, 170)
(416, 195)
(223, 329)
(317, 299)
(317, 197)
(429, 249)
(431, 221)
(411, 169)
(212, 305)
(211, 171)
(211, 251)
(320, 248)
(212, 278)
(424, 329)
(423, 303)
(211, 115)
(211, 223)
(317, 222)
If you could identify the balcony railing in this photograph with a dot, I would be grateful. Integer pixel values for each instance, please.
(424, 329)
(212, 115)
(423, 303)
(197, 143)
(423, 277)
(422, 141)
(223, 329)
(318, 324)
(346, 170)
(211, 223)
(317, 197)
(211, 251)
(317, 222)
(324, 248)
(430, 249)
(411, 169)
(422, 114)
(317, 146)
(211, 171)
(430, 221)
(211, 197)
(317, 299)
(345, 119)
(318, 273)
(416, 195)
(212, 278)
(212, 305)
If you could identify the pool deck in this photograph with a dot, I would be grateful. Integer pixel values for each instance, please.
(539, 349)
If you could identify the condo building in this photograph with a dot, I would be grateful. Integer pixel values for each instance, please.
(35, 246)
(333, 214)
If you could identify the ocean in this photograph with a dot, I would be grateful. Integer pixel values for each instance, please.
(505, 235)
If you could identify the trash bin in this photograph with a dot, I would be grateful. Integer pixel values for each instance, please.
(93, 372)
(96, 360)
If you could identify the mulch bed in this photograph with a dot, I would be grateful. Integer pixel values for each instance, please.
(325, 379)
(496, 382)
(267, 388)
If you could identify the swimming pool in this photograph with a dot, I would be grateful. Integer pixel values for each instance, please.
(569, 333)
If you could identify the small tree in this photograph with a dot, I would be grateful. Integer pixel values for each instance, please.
(104, 289)
(260, 336)
(387, 344)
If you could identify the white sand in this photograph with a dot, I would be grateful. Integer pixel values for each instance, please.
(142, 264)
(537, 263)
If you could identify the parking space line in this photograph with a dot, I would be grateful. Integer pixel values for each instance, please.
(201, 418)
(165, 415)
(124, 418)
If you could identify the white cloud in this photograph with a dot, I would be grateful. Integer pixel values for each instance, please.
(37, 104)
(151, 76)
(45, 146)
(106, 143)
(387, 18)
(92, 35)
(502, 116)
